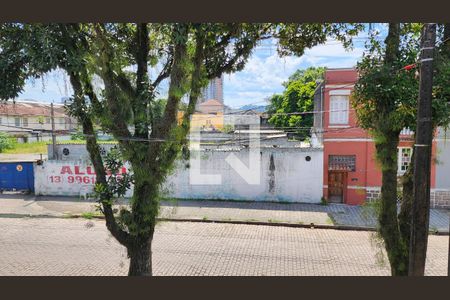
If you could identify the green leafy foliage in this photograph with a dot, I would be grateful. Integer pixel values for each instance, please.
(298, 97)
(118, 181)
(78, 135)
(228, 128)
(124, 104)
(385, 100)
(385, 96)
(294, 38)
(6, 142)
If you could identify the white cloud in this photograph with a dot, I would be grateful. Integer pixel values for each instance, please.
(261, 74)
(266, 71)
(261, 78)
(332, 55)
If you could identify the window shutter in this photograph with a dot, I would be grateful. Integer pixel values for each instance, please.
(339, 109)
(332, 110)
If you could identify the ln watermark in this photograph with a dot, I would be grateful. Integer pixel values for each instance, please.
(250, 173)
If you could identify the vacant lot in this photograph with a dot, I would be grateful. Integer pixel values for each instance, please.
(25, 148)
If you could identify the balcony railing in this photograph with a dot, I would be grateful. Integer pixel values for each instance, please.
(406, 131)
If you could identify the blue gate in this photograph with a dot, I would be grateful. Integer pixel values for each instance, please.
(16, 176)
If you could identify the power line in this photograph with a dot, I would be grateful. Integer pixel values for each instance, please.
(210, 116)
(239, 139)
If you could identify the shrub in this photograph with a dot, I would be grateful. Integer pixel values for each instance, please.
(78, 136)
(228, 128)
(6, 142)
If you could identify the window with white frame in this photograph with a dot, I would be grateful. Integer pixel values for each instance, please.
(25, 122)
(339, 105)
(17, 122)
(404, 159)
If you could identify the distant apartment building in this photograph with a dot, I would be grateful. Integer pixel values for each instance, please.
(214, 90)
(30, 120)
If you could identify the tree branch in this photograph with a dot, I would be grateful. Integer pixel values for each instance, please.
(124, 83)
(140, 103)
(243, 51)
(119, 126)
(196, 80)
(392, 43)
(165, 72)
(178, 77)
(82, 86)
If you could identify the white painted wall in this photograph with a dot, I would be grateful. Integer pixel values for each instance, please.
(443, 160)
(294, 179)
(34, 122)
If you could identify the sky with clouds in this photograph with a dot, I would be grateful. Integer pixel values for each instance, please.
(265, 71)
(262, 76)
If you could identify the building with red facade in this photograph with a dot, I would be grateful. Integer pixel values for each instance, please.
(351, 174)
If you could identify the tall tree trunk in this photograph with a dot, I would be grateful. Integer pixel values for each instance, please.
(447, 53)
(82, 88)
(389, 226)
(140, 253)
(405, 215)
(142, 220)
(386, 146)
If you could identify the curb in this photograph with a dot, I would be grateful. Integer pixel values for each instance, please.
(237, 222)
(276, 224)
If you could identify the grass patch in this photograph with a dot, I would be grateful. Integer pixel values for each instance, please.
(26, 148)
(67, 216)
(274, 221)
(90, 215)
(87, 215)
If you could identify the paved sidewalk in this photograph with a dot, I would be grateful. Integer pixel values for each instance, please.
(331, 215)
(21, 157)
(48, 247)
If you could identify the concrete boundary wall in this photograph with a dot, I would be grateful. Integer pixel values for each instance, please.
(286, 174)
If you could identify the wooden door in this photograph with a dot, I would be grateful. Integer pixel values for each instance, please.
(336, 186)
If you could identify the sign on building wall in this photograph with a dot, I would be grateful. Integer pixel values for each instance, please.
(292, 175)
(60, 178)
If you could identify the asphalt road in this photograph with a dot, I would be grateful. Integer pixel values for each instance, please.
(53, 246)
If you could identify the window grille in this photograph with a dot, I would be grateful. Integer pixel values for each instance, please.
(404, 159)
(342, 163)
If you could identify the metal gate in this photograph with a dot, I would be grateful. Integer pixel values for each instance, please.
(16, 176)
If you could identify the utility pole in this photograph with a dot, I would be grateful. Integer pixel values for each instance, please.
(53, 130)
(447, 54)
(422, 160)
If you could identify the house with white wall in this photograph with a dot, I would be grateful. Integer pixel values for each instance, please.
(31, 120)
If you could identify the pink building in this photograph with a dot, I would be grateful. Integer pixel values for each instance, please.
(351, 173)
